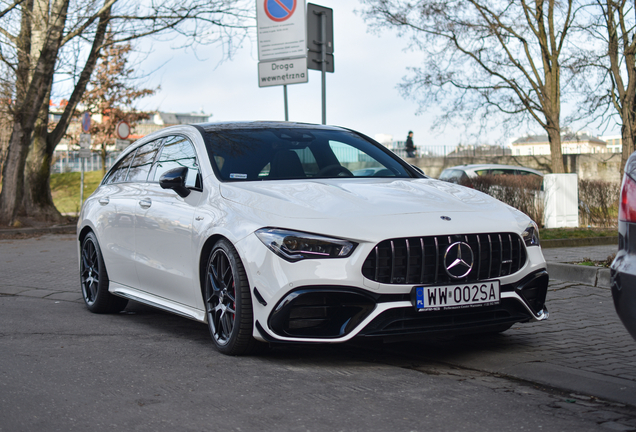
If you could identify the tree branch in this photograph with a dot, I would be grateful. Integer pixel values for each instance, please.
(60, 129)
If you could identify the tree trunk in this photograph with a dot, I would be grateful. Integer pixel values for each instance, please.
(27, 111)
(13, 172)
(627, 133)
(554, 137)
(102, 155)
(4, 147)
(38, 201)
(16, 151)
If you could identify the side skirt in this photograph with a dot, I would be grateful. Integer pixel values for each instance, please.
(156, 302)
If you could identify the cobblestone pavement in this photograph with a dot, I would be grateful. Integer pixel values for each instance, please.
(584, 332)
(578, 254)
(583, 347)
(44, 266)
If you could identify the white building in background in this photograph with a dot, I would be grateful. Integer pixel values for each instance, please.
(170, 119)
(614, 143)
(571, 143)
(397, 147)
(67, 158)
(161, 119)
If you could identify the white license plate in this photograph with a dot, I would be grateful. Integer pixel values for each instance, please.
(483, 293)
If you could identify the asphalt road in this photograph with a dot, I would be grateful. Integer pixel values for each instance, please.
(64, 369)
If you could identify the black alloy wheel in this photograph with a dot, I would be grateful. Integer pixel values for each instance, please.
(94, 279)
(228, 301)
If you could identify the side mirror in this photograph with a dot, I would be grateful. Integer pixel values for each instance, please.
(175, 179)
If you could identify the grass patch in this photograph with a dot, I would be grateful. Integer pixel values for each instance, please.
(65, 189)
(572, 233)
(598, 263)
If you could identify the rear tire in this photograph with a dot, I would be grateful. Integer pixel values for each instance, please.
(94, 279)
(228, 302)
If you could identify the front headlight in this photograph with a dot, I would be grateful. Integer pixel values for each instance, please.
(531, 235)
(295, 246)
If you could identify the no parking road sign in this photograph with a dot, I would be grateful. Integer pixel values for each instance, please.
(281, 29)
(280, 10)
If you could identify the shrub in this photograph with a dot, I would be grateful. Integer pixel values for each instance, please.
(598, 203)
(521, 192)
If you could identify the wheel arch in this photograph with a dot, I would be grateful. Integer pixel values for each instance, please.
(84, 232)
(203, 260)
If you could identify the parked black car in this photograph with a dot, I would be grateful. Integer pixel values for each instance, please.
(624, 266)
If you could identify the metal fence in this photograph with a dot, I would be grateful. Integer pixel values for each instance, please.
(69, 161)
(398, 147)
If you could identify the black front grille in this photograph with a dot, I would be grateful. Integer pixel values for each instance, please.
(420, 260)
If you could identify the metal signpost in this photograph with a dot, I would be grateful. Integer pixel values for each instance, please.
(281, 32)
(289, 43)
(320, 43)
(85, 149)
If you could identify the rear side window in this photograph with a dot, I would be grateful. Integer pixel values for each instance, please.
(177, 152)
(501, 171)
(119, 172)
(144, 157)
(526, 173)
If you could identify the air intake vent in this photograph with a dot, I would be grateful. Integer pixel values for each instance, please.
(420, 260)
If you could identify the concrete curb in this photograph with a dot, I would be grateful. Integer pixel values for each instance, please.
(63, 229)
(588, 275)
(588, 241)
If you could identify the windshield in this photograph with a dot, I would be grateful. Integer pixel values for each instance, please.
(283, 154)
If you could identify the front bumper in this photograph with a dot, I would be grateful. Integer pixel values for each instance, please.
(337, 314)
(331, 301)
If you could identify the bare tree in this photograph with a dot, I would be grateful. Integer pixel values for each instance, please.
(35, 37)
(612, 52)
(497, 60)
(111, 95)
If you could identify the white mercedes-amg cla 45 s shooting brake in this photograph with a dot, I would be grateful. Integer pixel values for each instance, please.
(287, 232)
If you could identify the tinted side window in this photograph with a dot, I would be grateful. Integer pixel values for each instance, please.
(144, 158)
(502, 171)
(177, 152)
(119, 171)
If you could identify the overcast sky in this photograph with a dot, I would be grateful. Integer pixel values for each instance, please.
(361, 94)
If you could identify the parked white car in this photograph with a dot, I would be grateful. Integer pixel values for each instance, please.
(260, 230)
(461, 174)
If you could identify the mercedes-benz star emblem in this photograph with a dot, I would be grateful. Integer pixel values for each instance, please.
(458, 260)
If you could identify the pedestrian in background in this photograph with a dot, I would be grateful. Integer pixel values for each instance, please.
(410, 147)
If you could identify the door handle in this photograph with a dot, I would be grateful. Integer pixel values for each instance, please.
(104, 201)
(145, 203)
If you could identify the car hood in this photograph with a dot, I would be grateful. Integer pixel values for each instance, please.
(372, 208)
(316, 199)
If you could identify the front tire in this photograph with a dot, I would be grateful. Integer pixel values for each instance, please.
(228, 302)
(94, 279)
